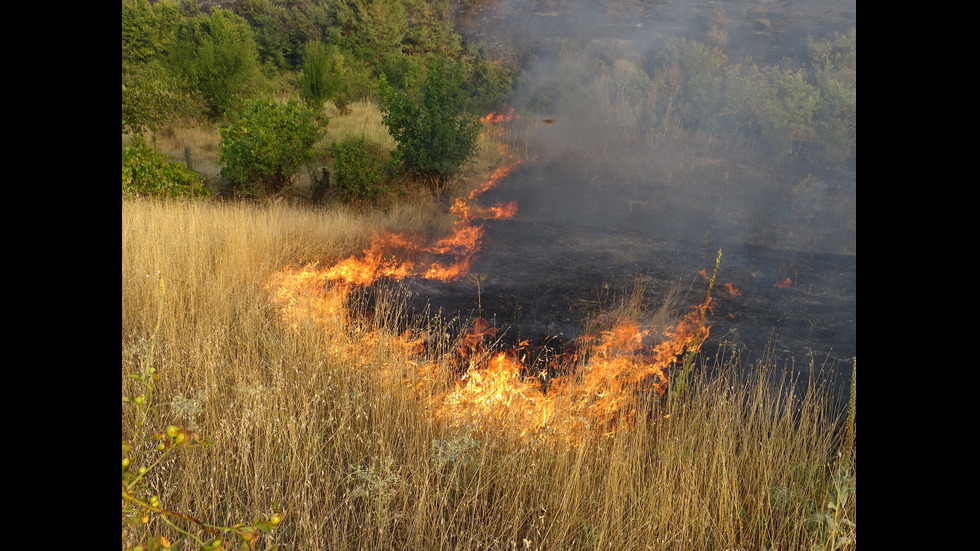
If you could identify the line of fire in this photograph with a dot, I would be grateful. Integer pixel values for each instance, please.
(594, 385)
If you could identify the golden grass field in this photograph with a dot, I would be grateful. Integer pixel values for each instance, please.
(328, 419)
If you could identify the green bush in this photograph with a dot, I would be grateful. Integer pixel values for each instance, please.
(359, 168)
(267, 143)
(435, 135)
(323, 73)
(489, 85)
(146, 173)
(152, 98)
(147, 30)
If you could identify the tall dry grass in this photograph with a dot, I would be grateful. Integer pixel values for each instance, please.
(317, 421)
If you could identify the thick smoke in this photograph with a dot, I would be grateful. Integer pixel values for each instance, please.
(622, 182)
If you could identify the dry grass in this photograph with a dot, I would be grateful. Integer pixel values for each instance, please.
(311, 419)
(364, 119)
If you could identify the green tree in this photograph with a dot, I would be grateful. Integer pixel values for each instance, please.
(430, 29)
(690, 77)
(267, 143)
(370, 29)
(489, 83)
(834, 63)
(428, 121)
(147, 30)
(282, 29)
(152, 97)
(323, 71)
(773, 104)
(216, 53)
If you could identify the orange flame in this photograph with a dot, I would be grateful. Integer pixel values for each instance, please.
(594, 394)
(783, 284)
(496, 118)
(732, 290)
(593, 387)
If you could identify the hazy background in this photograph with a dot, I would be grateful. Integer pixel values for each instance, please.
(628, 182)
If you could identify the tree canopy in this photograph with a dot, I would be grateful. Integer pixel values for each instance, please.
(429, 122)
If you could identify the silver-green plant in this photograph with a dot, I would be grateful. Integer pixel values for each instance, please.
(835, 529)
(378, 484)
(455, 457)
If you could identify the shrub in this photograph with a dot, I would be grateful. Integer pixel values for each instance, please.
(267, 143)
(323, 71)
(152, 98)
(148, 173)
(217, 54)
(435, 135)
(359, 168)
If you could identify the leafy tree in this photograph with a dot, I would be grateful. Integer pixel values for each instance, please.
(430, 29)
(216, 53)
(776, 105)
(267, 143)
(434, 134)
(691, 76)
(370, 29)
(359, 168)
(147, 173)
(834, 62)
(323, 71)
(489, 84)
(147, 30)
(152, 97)
(282, 29)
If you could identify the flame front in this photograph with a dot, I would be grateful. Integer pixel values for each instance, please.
(595, 388)
(600, 394)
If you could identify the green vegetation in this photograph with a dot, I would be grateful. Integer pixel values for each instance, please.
(184, 60)
(323, 73)
(147, 173)
(180, 60)
(692, 87)
(429, 121)
(267, 143)
(153, 99)
(216, 54)
(359, 168)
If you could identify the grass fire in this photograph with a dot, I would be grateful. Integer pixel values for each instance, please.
(625, 322)
(369, 425)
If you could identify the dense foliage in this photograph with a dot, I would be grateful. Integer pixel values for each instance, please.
(153, 98)
(323, 73)
(183, 58)
(146, 173)
(267, 143)
(359, 168)
(217, 54)
(429, 122)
